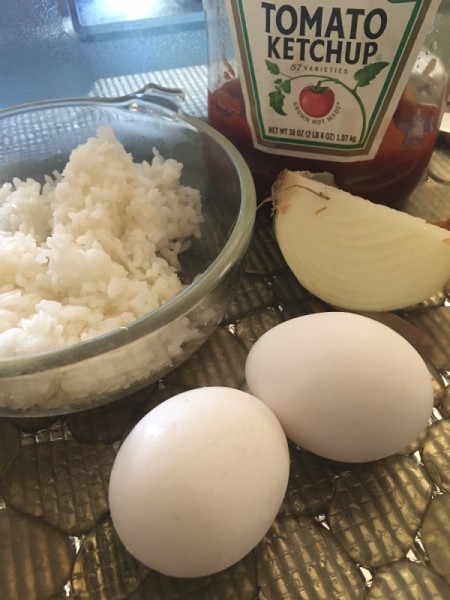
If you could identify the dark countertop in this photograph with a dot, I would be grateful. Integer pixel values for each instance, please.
(45, 54)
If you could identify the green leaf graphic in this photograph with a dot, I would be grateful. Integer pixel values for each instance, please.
(277, 101)
(286, 86)
(273, 67)
(365, 75)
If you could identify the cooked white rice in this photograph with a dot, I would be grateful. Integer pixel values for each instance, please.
(93, 248)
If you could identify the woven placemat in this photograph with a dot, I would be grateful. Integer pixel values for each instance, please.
(377, 531)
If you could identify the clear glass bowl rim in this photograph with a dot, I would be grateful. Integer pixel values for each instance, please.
(185, 301)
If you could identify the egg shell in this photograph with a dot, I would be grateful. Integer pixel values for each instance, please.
(343, 386)
(198, 481)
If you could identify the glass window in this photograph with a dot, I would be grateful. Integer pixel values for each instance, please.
(91, 16)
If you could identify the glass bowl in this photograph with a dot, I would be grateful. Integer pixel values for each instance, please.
(36, 140)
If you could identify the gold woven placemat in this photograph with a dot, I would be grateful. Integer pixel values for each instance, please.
(376, 531)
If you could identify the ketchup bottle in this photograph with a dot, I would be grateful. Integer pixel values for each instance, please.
(354, 88)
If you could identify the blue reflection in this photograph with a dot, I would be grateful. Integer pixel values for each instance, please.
(101, 12)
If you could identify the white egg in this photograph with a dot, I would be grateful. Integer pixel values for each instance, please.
(343, 386)
(198, 482)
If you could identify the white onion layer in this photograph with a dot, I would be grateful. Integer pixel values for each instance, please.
(355, 254)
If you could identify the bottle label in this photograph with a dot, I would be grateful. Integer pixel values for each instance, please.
(323, 80)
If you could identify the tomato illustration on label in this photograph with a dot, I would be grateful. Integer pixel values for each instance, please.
(316, 100)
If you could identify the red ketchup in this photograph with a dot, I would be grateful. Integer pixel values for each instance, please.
(388, 178)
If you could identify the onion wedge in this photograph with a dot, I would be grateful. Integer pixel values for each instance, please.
(355, 254)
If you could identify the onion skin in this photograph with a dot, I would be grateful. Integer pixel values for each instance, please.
(444, 224)
(354, 254)
(415, 336)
